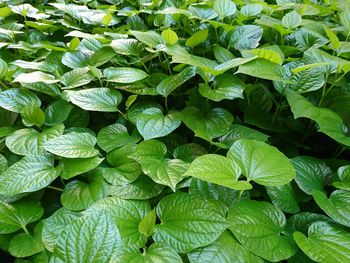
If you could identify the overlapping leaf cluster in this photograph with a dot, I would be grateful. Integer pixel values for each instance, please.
(175, 131)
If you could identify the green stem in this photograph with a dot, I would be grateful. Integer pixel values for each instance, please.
(55, 188)
(25, 229)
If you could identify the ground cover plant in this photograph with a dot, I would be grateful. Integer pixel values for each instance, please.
(174, 131)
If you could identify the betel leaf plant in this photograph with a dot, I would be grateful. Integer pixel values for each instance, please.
(174, 131)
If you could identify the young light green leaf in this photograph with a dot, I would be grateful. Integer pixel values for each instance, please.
(30, 174)
(325, 243)
(95, 99)
(217, 169)
(170, 36)
(183, 224)
(258, 162)
(73, 145)
(146, 226)
(153, 124)
(261, 232)
(124, 74)
(197, 38)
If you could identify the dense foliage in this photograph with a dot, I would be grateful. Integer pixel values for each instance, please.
(175, 131)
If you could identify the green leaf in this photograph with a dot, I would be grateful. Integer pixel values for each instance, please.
(168, 85)
(54, 226)
(16, 99)
(197, 38)
(224, 249)
(328, 121)
(207, 125)
(114, 136)
(151, 156)
(336, 207)
(218, 169)
(79, 195)
(95, 99)
(291, 20)
(312, 174)
(3, 163)
(146, 226)
(18, 215)
(258, 162)
(224, 8)
(36, 76)
(57, 112)
(75, 59)
(169, 36)
(126, 215)
(143, 188)
(91, 238)
(149, 38)
(126, 46)
(30, 174)
(3, 68)
(284, 198)
(225, 86)
(125, 169)
(184, 226)
(343, 173)
(73, 145)
(325, 243)
(124, 75)
(30, 142)
(25, 245)
(73, 167)
(32, 115)
(188, 152)
(251, 9)
(155, 253)
(257, 226)
(153, 124)
(264, 69)
(76, 78)
(246, 37)
(237, 132)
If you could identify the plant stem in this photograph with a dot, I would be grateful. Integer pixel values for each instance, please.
(55, 188)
